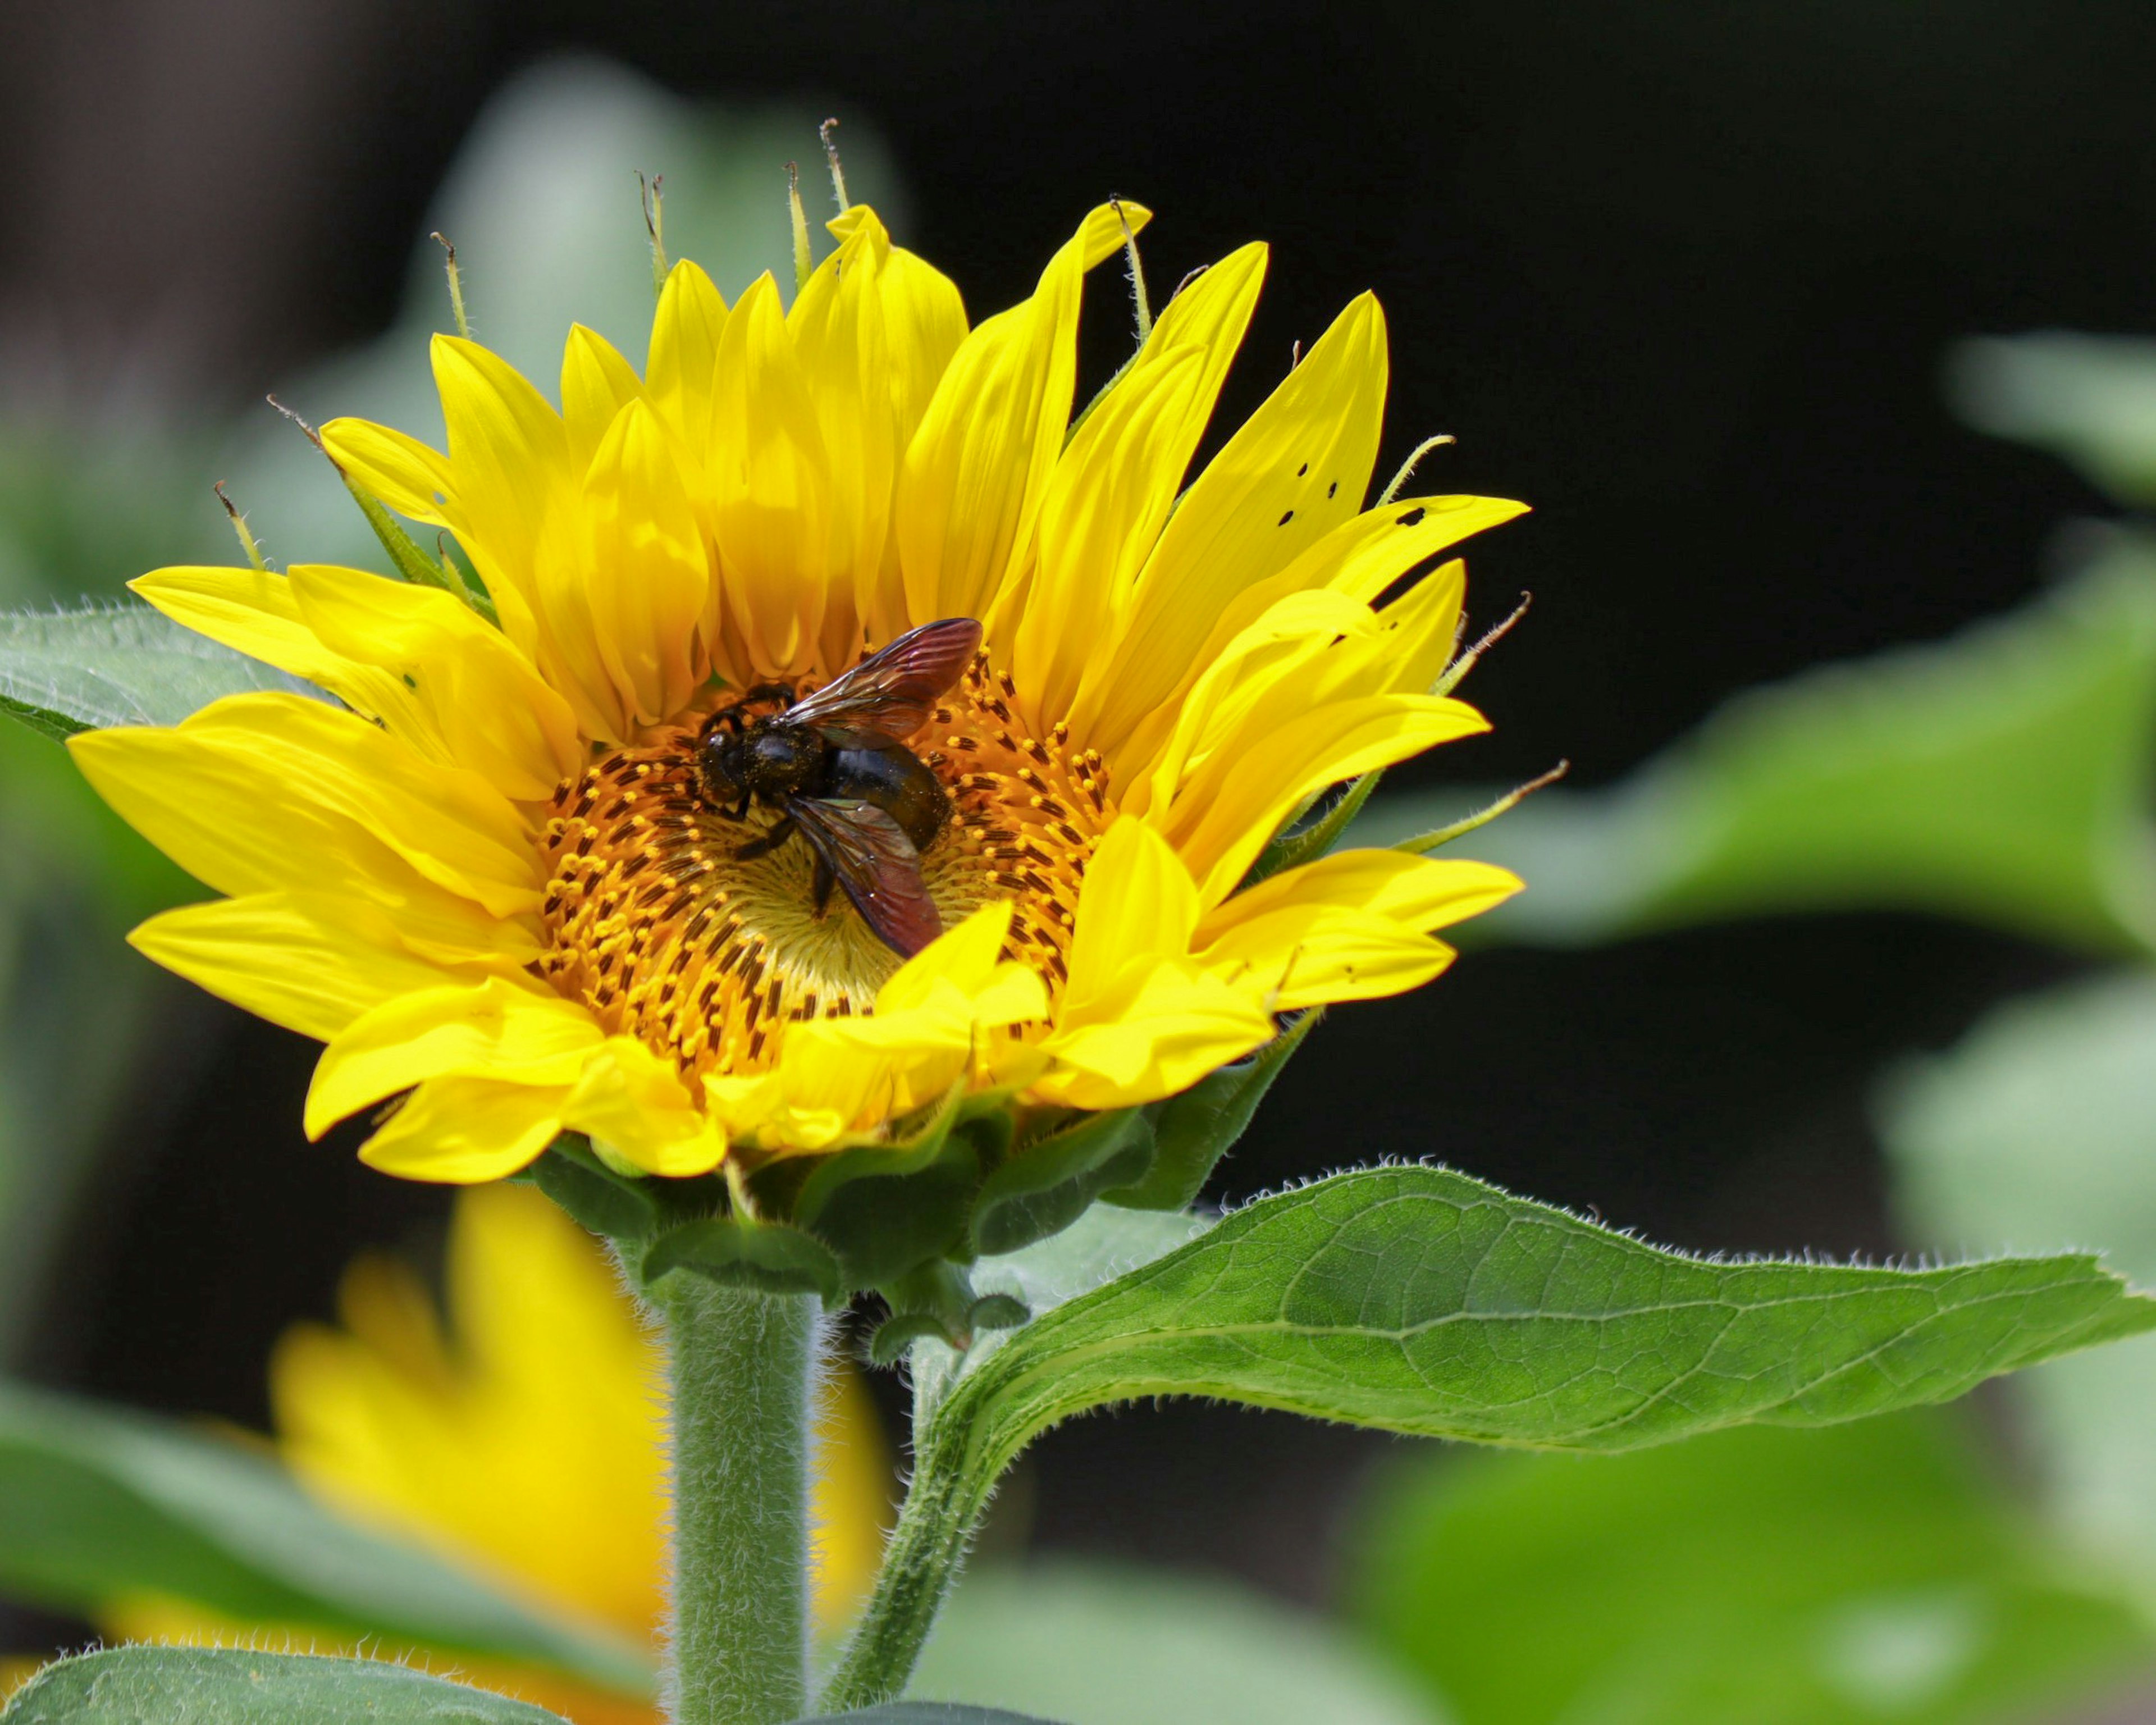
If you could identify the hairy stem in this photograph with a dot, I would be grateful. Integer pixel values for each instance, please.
(743, 1367)
(926, 1550)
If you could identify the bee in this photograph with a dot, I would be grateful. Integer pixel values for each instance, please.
(835, 764)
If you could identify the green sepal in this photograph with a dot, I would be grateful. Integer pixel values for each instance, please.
(413, 563)
(1047, 1184)
(937, 1300)
(1192, 1131)
(1303, 841)
(886, 1209)
(610, 1205)
(738, 1253)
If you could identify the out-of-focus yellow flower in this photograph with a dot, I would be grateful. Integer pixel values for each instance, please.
(493, 879)
(526, 1441)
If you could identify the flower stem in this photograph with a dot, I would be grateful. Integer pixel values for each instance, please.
(926, 1550)
(742, 1367)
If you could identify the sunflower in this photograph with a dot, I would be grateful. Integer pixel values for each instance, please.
(525, 1442)
(489, 874)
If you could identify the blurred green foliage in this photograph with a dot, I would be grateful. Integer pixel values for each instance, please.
(1870, 1572)
(98, 1505)
(1113, 1644)
(2003, 777)
(2040, 1127)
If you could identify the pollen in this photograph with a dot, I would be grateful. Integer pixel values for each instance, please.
(656, 923)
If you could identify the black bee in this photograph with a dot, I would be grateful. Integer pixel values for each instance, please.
(835, 764)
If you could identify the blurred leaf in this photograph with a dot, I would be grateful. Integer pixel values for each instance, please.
(1871, 1572)
(2091, 399)
(2040, 1130)
(65, 672)
(2002, 776)
(1096, 1645)
(95, 1504)
(230, 1685)
(923, 1712)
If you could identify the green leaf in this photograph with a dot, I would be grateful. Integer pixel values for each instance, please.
(2002, 776)
(1115, 1645)
(2089, 399)
(1419, 1300)
(1836, 1577)
(230, 1685)
(1047, 1183)
(1192, 1131)
(1100, 1247)
(2040, 1130)
(65, 672)
(96, 1503)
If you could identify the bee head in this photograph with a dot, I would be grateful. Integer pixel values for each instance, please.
(721, 765)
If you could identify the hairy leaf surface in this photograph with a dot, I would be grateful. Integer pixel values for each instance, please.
(1421, 1301)
(65, 672)
(224, 1686)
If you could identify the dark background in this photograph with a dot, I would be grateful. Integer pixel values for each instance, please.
(1682, 277)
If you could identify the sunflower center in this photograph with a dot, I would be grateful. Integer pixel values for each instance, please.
(656, 922)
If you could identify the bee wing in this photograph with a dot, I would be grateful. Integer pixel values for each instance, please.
(888, 696)
(875, 862)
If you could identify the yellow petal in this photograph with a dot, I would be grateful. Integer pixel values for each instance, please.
(924, 320)
(485, 701)
(597, 383)
(257, 612)
(976, 470)
(1362, 559)
(1105, 502)
(1308, 954)
(421, 484)
(1421, 892)
(493, 1029)
(466, 1130)
(649, 578)
(1225, 813)
(838, 328)
(683, 358)
(1137, 902)
(636, 1103)
(966, 957)
(1165, 1027)
(311, 964)
(268, 792)
(402, 472)
(509, 457)
(772, 483)
(1296, 469)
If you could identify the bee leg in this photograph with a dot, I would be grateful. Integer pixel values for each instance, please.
(825, 881)
(769, 842)
(741, 808)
